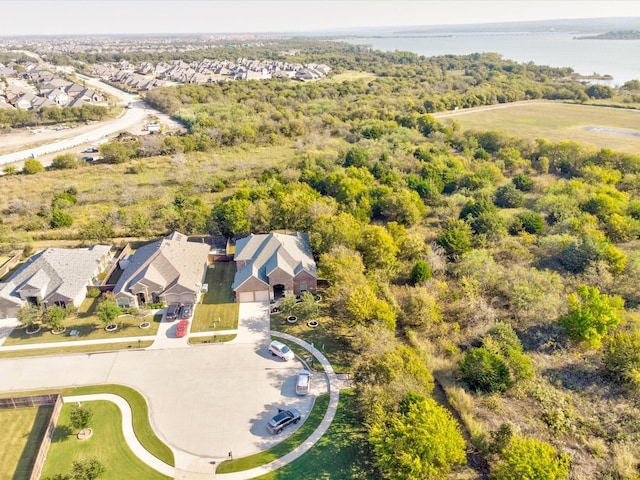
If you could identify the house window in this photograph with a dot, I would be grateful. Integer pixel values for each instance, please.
(60, 304)
(303, 287)
(155, 297)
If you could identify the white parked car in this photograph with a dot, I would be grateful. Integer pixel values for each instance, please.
(303, 382)
(279, 349)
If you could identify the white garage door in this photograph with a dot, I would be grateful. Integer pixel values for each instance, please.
(245, 297)
(262, 296)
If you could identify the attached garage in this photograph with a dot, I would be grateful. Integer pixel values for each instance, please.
(257, 296)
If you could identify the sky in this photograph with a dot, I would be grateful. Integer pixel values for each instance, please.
(58, 17)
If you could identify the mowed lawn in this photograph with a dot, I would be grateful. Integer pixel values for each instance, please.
(89, 327)
(107, 444)
(342, 452)
(217, 310)
(22, 432)
(555, 122)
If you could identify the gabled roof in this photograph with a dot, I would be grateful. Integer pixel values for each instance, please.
(170, 262)
(268, 252)
(64, 271)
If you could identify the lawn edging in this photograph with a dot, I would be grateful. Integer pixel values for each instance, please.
(140, 417)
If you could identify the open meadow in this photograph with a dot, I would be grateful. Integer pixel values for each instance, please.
(604, 127)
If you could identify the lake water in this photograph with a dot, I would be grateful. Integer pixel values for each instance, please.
(618, 58)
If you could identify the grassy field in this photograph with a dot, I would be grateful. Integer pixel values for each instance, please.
(88, 327)
(219, 278)
(141, 426)
(212, 339)
(284, 447)
(555, 122)
(107, 444)
(22, 432)
(340, 453)
(351, 76)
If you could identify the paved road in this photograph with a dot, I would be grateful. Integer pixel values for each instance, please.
(131, 117)
(204, 401)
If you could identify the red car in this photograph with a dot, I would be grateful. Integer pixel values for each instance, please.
(181, 329)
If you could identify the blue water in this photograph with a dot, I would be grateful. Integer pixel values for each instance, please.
(619, 58)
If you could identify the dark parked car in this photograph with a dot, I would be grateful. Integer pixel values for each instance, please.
(182, 328)
(173, 312)
(282, 419)
(186, 311)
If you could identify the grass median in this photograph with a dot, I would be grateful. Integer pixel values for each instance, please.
(107, 445)
(141, 425)
(284, 447)
(342, 452)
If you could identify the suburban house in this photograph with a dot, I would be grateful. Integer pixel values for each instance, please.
(272, 265)
(55, 276)
(171, 270)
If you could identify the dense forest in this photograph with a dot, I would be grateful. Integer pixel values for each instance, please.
(501, 271)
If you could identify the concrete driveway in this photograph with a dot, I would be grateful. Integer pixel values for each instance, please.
(205, 401)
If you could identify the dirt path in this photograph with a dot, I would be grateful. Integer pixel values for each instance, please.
(475, 458)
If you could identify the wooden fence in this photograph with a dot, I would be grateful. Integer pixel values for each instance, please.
(54, 399)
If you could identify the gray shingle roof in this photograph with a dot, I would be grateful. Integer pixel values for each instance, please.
(265, 253)
(167, 263)
(65, 271)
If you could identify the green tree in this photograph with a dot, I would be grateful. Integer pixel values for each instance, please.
(378, 248)
(98, 230)
(32, 166)
(307, 308)
(54, 316)
(530, 459)
(66, 161)
(108, 310)
(456, 237)
(508, 196)
(421, 441)
(231, 217)
(80, 417)
(28, 315)
(421, 272)
(287, 304)
(523, 182)
(87, 469)
(115, 152)
(591, 315)
(485, 371)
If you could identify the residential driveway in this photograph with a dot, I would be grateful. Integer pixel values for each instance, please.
(205, 401)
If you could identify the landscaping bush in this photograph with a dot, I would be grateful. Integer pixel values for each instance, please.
(485, 371)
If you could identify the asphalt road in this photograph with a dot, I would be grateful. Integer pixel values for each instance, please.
(204, 400)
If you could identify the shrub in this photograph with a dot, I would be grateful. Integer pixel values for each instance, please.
(621, 358)
(531, 222)
(32, 166)
(509, 196)
(60, 219)
(529, 459)
(485, 371)
(591, 315)
(93, 293)
(523, 182)
(420, 272)
(421, 441)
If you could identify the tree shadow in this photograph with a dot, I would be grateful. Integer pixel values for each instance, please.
(544, 338)
(34, 439)
(61, 433)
